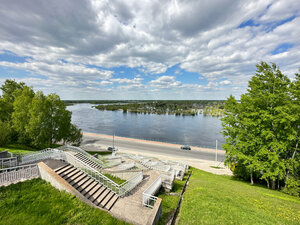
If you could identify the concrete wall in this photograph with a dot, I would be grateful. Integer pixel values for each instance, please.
(47, 174)
(156, 213)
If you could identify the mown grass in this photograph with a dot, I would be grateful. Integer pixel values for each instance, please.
(169, 201)
(99, 153)
(117, 180)
(22, 149)
(18, 149)
(215, 199)
(37, 202)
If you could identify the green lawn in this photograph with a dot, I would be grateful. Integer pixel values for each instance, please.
(169, 202)
(18, 149)
(37, 202)
(21, 149)
(99, 153)
(214, 199)
(117, 180)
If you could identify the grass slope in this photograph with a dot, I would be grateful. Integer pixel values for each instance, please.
(213, 199)
(169, 201)
(22, 149)
(37, 202)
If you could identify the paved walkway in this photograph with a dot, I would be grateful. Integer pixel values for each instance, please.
(130, 207)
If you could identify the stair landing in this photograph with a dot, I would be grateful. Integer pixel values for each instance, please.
(130, 208)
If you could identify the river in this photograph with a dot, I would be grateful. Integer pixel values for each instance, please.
(202, 131)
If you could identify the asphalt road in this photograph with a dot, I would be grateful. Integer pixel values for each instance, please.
(97, 142)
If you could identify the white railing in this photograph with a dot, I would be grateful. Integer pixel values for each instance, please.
(13, 174)
(112, 163)
(128, 185)
(126, 166)
(41, 155)
(120, 190)
(92, 173)
(8, 162)
(79, 150)
(149, 199)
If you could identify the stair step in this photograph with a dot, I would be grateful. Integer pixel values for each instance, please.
(66, 172)
(78, 179)
(112, 202)
(93, 190)
(90, 187)
(102, 197)
(74, 172)
(107, 198)
(97, 194)
(60, 168)
(75, 176)
(85, 185)
(81, 182)
(64, 169)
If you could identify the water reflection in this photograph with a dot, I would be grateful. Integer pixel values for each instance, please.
(191, 130)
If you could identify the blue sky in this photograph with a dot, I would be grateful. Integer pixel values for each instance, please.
(146, 49)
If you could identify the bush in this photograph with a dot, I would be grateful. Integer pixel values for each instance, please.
(5, 133)
(292, 186)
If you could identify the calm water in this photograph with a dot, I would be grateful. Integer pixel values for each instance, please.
(197, 131)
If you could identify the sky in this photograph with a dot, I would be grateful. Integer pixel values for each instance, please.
(150, 49)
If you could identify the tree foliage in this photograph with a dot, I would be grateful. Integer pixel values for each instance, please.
(37, 119)
(262, 130)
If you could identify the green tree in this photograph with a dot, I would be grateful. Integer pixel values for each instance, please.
(9, 92)
(5, 109)
(260, 131)
(5, 132)
(9, 89)
(20, 115)
(49, 121)
(74, 136)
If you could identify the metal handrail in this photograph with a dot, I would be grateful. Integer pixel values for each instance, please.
(148, 194)
(12, 174)
(119, 189)
(8, 162)
(92, 172)
(79, 150)
(43, 154)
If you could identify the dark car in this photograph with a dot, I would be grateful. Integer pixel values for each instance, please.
(112, 149)
(185, 147)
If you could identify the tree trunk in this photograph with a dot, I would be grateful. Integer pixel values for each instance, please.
(278, 184)
(51, 142)
(273, 183)
(268, 183)
(251, 177)
(288, 171)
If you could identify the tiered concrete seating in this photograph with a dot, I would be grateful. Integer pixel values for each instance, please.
(88, 187)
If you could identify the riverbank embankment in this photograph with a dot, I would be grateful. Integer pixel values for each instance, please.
(201, 158)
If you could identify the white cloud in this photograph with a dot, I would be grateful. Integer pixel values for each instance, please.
(200, 36)
(135, 80)
(225, 82)
(165, 82)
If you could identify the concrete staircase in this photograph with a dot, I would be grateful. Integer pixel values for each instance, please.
(88, 161)
(88, 187)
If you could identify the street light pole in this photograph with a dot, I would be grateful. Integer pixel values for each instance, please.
(216, 151)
